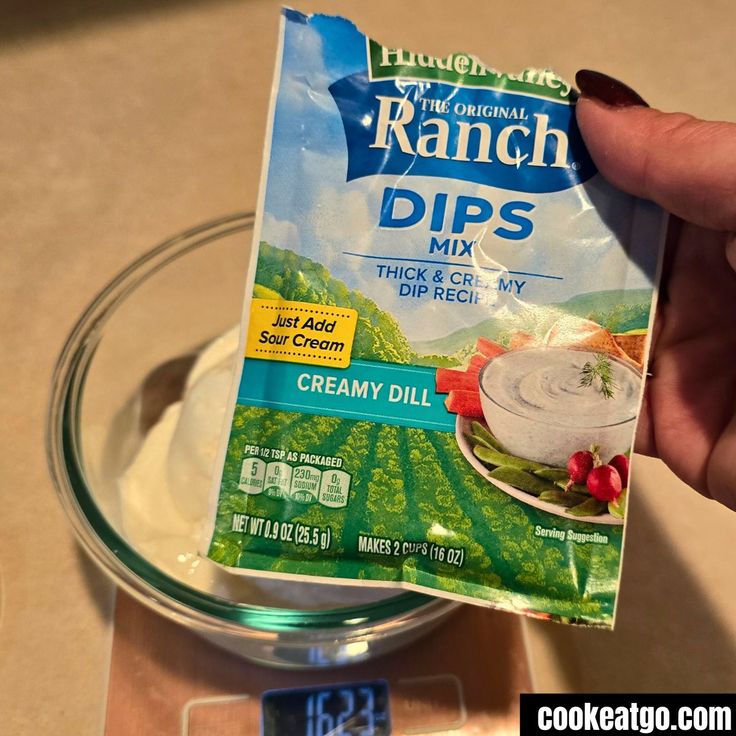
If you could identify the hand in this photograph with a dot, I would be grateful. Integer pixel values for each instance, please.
(688, 166)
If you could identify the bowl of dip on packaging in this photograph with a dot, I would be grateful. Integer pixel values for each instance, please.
(534, 403)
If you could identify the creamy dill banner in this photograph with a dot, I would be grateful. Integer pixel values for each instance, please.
(445, 336)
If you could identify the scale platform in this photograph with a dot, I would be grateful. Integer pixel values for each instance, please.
(463, 678)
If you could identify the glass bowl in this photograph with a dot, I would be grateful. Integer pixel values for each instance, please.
(160, 311)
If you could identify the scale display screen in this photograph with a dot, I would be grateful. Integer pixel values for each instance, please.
(352, 709)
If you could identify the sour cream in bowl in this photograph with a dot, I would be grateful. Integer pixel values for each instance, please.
(534, 402)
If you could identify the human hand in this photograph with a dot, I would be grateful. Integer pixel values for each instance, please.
(688, 166)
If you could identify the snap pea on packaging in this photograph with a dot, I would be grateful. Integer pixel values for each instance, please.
(444, 335)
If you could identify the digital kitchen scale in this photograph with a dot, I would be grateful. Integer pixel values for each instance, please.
(464, 678)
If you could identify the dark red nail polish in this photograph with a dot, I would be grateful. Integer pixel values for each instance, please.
(607, 90)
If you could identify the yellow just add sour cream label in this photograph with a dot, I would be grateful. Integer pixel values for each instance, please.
(300, 332)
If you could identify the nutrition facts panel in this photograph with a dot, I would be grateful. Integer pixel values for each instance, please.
(303, 483)
(465, 678)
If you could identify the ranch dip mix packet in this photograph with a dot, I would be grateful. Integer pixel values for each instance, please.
(444, 336)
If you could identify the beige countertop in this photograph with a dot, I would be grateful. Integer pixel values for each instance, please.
(122, 123)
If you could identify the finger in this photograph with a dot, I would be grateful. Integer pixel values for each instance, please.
(731, 251)
(721, 469)
(644, 442)
(686, 165)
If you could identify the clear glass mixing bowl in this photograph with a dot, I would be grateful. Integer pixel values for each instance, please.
(164, 307)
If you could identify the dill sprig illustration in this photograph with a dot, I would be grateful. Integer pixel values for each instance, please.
(599, 373)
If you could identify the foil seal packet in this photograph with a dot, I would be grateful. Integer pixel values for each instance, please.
(444, 337)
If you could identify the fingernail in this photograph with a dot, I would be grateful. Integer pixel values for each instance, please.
(607, 90)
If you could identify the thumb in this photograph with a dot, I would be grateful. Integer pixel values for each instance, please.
(686, 165)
